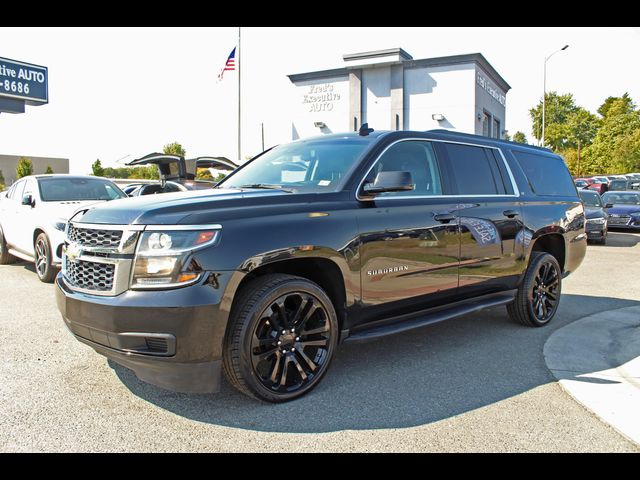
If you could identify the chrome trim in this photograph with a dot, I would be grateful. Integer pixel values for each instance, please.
(166, 228)
(120, 282)
(107, 226)
(165, 286)
(516, 193)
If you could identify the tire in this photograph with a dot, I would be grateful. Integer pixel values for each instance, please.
(535, 306)
(5, 257)
(42, 251)
(281, 338)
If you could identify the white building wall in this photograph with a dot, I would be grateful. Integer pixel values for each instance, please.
(376, 97)
(447, 90)
(322, 100)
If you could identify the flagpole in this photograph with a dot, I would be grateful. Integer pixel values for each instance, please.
(239, 98)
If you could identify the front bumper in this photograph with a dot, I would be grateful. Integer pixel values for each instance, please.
(596, 231)
(172, 339)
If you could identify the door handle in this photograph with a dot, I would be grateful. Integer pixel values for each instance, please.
(510, 213)
(444, 217)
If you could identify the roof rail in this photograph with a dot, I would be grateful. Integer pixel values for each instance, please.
(476, 137)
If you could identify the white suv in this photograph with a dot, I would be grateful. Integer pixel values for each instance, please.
(34, 213)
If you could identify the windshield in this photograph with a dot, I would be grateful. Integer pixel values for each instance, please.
(316, 165)
(78, 189)
(590, 199)
(622, 198)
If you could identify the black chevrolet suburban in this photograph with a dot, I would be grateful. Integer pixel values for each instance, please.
(340, 238)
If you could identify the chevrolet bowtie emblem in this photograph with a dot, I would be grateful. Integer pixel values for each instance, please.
(72, 251)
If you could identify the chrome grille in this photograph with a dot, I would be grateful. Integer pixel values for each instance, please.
(619, 219)
(89, 237)
(90, 275)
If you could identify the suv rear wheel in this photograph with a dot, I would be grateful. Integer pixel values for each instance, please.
(281, 338)
(5, 257)
(538, 296)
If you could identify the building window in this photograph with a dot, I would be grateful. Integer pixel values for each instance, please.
(486, 124)
(496, 128)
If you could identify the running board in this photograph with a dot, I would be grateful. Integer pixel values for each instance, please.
(428, 317)
(21, 255)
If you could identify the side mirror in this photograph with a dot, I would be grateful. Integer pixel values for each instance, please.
(27, 200)
(608, 205)
(390, 182)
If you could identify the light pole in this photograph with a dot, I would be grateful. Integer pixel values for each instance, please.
(544, 87)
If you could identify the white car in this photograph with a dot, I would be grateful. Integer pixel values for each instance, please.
(34, 213)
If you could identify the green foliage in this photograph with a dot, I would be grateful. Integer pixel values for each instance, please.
(203, 174)
(519, 137)
(24, 168)
(48, 170)
(174, 149)
(1, 177)
(616, 146)
(96, 168)
(141, 172)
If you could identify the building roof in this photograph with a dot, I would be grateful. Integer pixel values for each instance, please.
(408, 62)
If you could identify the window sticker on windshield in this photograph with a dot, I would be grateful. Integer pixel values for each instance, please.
(324, 183)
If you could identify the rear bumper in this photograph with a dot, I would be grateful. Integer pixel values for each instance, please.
(172, 339)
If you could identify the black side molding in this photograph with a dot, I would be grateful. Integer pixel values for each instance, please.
(428, 317)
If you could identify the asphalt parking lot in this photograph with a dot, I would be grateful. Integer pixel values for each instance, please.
(477, 383)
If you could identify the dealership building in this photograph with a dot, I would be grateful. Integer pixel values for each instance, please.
(390, 90)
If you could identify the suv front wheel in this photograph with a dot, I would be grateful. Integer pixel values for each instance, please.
(281, 338)
(538, 296)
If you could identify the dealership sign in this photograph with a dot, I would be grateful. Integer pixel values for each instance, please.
(491, 89)
(23, 82)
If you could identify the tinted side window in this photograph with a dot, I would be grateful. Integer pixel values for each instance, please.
(547, 174)
(472, 171)
(416, 157)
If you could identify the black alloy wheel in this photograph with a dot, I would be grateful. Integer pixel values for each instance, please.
(290, 343)
(538, 296)
(281, 338)
(545, 293)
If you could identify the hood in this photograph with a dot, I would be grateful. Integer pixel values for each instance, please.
(66, 209)
(194, 206)
(621, 209)
(594, 212)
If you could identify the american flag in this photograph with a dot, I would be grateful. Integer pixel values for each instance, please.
(230, 65)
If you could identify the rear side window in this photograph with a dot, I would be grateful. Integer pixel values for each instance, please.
(474, 172)
(547, 175)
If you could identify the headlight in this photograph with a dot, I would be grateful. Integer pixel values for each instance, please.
(161, 257)
(596, 221)
(60, 224)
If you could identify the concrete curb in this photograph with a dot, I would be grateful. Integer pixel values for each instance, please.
(597, 361)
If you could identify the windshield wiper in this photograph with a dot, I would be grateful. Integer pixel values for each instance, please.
(266, 186)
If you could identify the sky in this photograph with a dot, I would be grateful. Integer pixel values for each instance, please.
(119, 93)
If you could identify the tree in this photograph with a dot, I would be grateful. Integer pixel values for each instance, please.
(174, 149)
(97, 169)
(519, 137)
(2, 186)
(48, 170)
(616, 146)
(24, 168)
(557, 110)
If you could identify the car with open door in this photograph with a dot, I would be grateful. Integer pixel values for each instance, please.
(178, 174)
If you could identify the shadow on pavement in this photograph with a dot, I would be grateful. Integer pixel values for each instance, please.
(401, 381)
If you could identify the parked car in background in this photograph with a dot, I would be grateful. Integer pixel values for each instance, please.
(174, 174)
(581, 183)
(34, 213)
(596, 216)
(623, 209)
(599, 184)
(619, 184)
